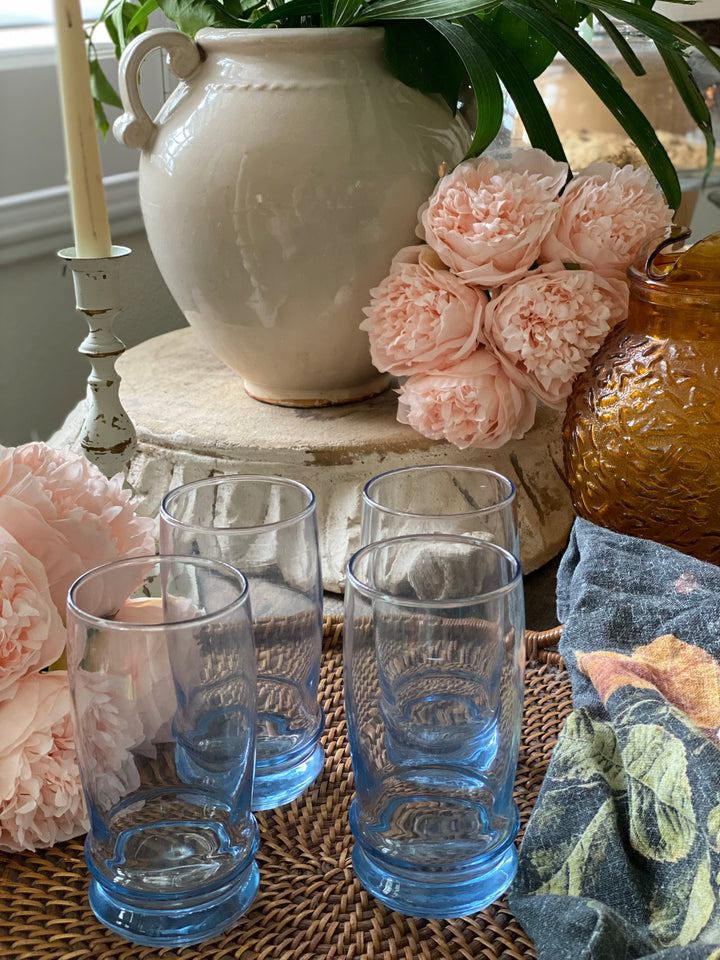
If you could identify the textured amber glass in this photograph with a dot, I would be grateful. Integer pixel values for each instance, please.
(642, 429)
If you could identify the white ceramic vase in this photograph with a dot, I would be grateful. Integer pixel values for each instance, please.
(277, 182)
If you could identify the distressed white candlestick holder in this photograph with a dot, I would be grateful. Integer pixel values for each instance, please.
(108, 435)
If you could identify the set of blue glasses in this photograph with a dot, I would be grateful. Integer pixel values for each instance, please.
(194, 679)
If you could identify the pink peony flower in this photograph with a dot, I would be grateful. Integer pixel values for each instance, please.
(421, 317)
(606, 215)
(32, 635)
(28, 527)
(146, 661)
(107, 727)
(487, 218)
(471, 404)
(41, 802)
(545, 327)
(67, 514)
(140, 659)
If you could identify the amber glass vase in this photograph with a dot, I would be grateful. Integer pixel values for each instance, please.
(642, 430)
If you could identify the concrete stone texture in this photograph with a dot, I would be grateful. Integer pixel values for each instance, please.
(194, 419)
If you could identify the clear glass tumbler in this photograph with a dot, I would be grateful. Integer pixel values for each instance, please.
(266, 527)
(441, 499)
(162, 678)
(434, 678)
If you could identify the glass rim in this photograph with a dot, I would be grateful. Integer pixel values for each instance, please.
(469, 468)
(373, 593)
(232, 478)
(156, 559)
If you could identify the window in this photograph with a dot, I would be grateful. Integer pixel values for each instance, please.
(34, 197)
(18, 13)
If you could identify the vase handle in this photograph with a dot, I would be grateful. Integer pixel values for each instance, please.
(135, 127)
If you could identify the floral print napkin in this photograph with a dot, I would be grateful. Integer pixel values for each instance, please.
(621, 858)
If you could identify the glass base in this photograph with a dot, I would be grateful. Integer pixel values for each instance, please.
(158, 923)
(281, 784)
(436, 895)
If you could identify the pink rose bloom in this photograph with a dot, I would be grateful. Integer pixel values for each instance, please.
(545, 327)
(421, 317)
(606, 215)
(472, 404)
(41, 802)
(67, 514)
(32, 635)
(487, 218)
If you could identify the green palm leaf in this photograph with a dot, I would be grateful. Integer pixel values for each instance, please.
(660, 29)
(623, 47)
(682, 77)
(293, 8)
(518, 83)
(608, 88)
(423, 59)
(488, 92)
(344, 11)
(421, 9)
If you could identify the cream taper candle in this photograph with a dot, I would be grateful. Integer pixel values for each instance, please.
(89, 210)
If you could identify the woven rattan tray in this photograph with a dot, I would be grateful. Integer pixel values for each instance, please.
(310, 905)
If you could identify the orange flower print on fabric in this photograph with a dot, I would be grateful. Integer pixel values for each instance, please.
(686, 676)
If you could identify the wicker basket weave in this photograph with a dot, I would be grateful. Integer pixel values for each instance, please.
(310, 905)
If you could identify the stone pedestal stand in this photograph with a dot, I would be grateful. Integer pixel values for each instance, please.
(193, 419)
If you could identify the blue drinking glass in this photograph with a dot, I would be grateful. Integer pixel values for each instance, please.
(267, 528)
(433, 673)
(162, 679)
(440, 498)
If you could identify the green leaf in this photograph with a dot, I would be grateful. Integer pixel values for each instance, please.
(139, 19)
(124, 21)
(606, 85)
(422, 58)
(119, 20)
(192, 15)
(101, 88)
(108, 18)
(530, 46)
(235, 8)
(293, 8)
(421, 9)
(112, 31)
(518, 83)
(570, 11)
(344, 11)
(662, 818)
(101, 120)
(485, 84)
(534, 51)
(662, 30)
(682, 77)
(623, 47)
(326, 12)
